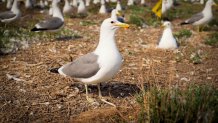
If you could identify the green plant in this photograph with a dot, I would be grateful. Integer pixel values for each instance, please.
(136, 20)
(212, 40)
(184, 33)
(175, 105)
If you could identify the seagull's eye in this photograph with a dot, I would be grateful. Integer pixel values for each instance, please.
(112, 21)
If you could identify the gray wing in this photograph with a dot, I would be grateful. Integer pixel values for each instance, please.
(195, 18)
(84, 67)
(52, 23)
(7, 15)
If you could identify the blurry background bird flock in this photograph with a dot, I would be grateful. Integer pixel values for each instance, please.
(169, 70)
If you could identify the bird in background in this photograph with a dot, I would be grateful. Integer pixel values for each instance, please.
(54, 23)
(167, 40)
(67, 9)
(203, 17)
(12, 15)
(103, 9)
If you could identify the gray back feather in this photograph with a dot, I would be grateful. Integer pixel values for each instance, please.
(195, 18)
(84, 67)
(52, 23)
(7, 15)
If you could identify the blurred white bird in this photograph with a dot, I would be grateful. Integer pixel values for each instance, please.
(118, 6)
(12, 15)
(88, 2)
(167, 40)
(52, 24)
(67, 9)
(28, 4)
(103, 9)
(130, 2)
(81, 8)
(9, 4)
(166, 5)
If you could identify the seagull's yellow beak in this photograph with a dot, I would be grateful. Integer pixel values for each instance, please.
(123, 25)
(214, 4)
(163, 26)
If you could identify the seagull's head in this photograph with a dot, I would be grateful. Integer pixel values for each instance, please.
(211, 2)
(112, 24)
(56, 1)
(166, 24)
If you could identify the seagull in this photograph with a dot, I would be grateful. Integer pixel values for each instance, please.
(96, 1)
(118, 6)
(81, 8)
(103, 9)
(167, 40)
(68, 9)
(166, 5)
(51, 24)
(74, 3)
(12, 15)
(100, 65)
(28, 4)
(9, 4)
(130, 2)
(203, 17)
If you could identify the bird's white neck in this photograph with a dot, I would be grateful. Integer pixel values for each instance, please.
(67, 3)
(106, 41)
(57, 11)
(15, 7)
(167, 32)
(207, 9)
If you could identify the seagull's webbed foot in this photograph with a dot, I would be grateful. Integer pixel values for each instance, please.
(90, 100)
(102, 98)
(105, 101)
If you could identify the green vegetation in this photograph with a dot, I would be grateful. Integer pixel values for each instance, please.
(87, 23)
(12, 37)
(212, 40)
(196, 58)
(184, 33)
(179, 105)
(138, 21)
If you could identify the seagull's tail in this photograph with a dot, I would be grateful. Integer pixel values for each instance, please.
(54, 70)
(37, 29)
(184, 23)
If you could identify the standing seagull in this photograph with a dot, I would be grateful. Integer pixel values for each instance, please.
(118, 6)
(12, 15)
(51, 24)
(68, 9)
(28, 4)
(100, 65)
(81, 8)
(203, 17)
(167, 40)
(9, 4)
(103, 9)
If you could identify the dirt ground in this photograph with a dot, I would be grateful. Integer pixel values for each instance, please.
(30, 93)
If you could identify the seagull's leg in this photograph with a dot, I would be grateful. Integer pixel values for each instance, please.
(198, 28)
(102, 99)
(87, 95)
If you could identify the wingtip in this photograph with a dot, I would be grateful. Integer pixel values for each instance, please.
(34, 29)
(183, 23)
(53, 70)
